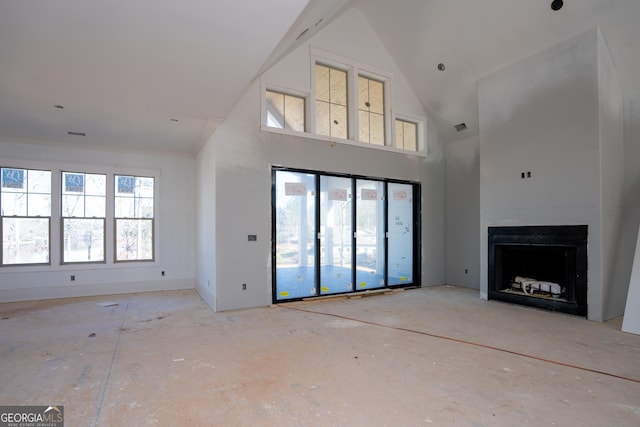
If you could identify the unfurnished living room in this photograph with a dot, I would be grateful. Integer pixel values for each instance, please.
(320, 213)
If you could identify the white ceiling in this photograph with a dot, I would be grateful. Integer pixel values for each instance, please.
(123, 70)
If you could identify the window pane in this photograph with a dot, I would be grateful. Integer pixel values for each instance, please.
(323, 118)
(124, 207)
(338, 83)
(14, 204)
(331, 88)
(39, 205)
(144, 208)
(322, 83)
(370, 238)
(376, 96)
(339, 121)
(96, 185)
(406, 135)
(25, 241)
(401, 221)
(410, 136)
(371, 111)
(83, 240)
(39, 181)
(144, 187)
(295, 235)
(275, 108)
(73, 205)
(294, 113)
(95, 206)
(134, 239)
(376, 131)
(363, 124)
(363, 93)
(335, 235)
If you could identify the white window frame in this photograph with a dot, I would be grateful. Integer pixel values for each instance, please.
(421, 124)
(55, 242)
(354, 69)
(301, 93)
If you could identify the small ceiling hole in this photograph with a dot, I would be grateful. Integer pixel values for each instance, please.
(174, 120)
(460, 127)
(58, 106)
(441, 66)
(557, 4)
(77, 133)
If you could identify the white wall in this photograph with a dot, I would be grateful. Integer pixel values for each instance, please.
(545, 114)
(463, 212)
(244, 155)
(175, 250)
(206, 225)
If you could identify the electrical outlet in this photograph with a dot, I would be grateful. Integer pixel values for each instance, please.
(244, 286)
(162, 274)
(73, 277)
(466, 271)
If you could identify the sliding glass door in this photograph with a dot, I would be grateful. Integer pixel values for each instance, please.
(370, 235)
(295, 235)
(337, 234)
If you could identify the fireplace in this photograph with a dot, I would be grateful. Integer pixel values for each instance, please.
(539, 266)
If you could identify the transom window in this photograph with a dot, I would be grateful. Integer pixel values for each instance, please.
(371, 116)
(84, 197)
(285, 111)
(331, 102)
(406, 135)
(25, 204)
(134, 199)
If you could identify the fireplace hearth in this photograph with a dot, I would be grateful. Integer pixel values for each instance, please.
(539, 266)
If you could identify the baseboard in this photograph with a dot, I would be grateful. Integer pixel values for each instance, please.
(85, 290)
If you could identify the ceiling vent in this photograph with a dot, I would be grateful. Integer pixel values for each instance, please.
(77, 133)
(460, 127)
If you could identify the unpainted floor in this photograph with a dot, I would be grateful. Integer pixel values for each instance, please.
(431, 356)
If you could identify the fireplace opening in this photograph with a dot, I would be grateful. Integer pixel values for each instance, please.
(539, 266)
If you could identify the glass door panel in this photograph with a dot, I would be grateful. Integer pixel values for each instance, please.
(295, 235)
(400, 235)
(336, 235)
(370, 235)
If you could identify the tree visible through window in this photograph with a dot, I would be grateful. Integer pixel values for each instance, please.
(134, 200)
(25, 204)
(83, 216)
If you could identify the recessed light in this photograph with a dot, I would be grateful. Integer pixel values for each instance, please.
(58, 106)
(460, 127)
(441, 66)
(77, 133)
(557, 4)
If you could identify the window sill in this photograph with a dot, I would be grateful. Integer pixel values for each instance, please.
(315, 137)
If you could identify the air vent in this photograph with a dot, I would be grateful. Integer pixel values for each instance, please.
(59, 107)
(460, 127)
(302, 34)
(77, 133)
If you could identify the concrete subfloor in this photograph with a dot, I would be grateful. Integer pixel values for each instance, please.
(431, 356)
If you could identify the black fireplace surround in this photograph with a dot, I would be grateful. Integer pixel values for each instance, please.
(548, 257)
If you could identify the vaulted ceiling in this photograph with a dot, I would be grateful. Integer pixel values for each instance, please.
(160, 74)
